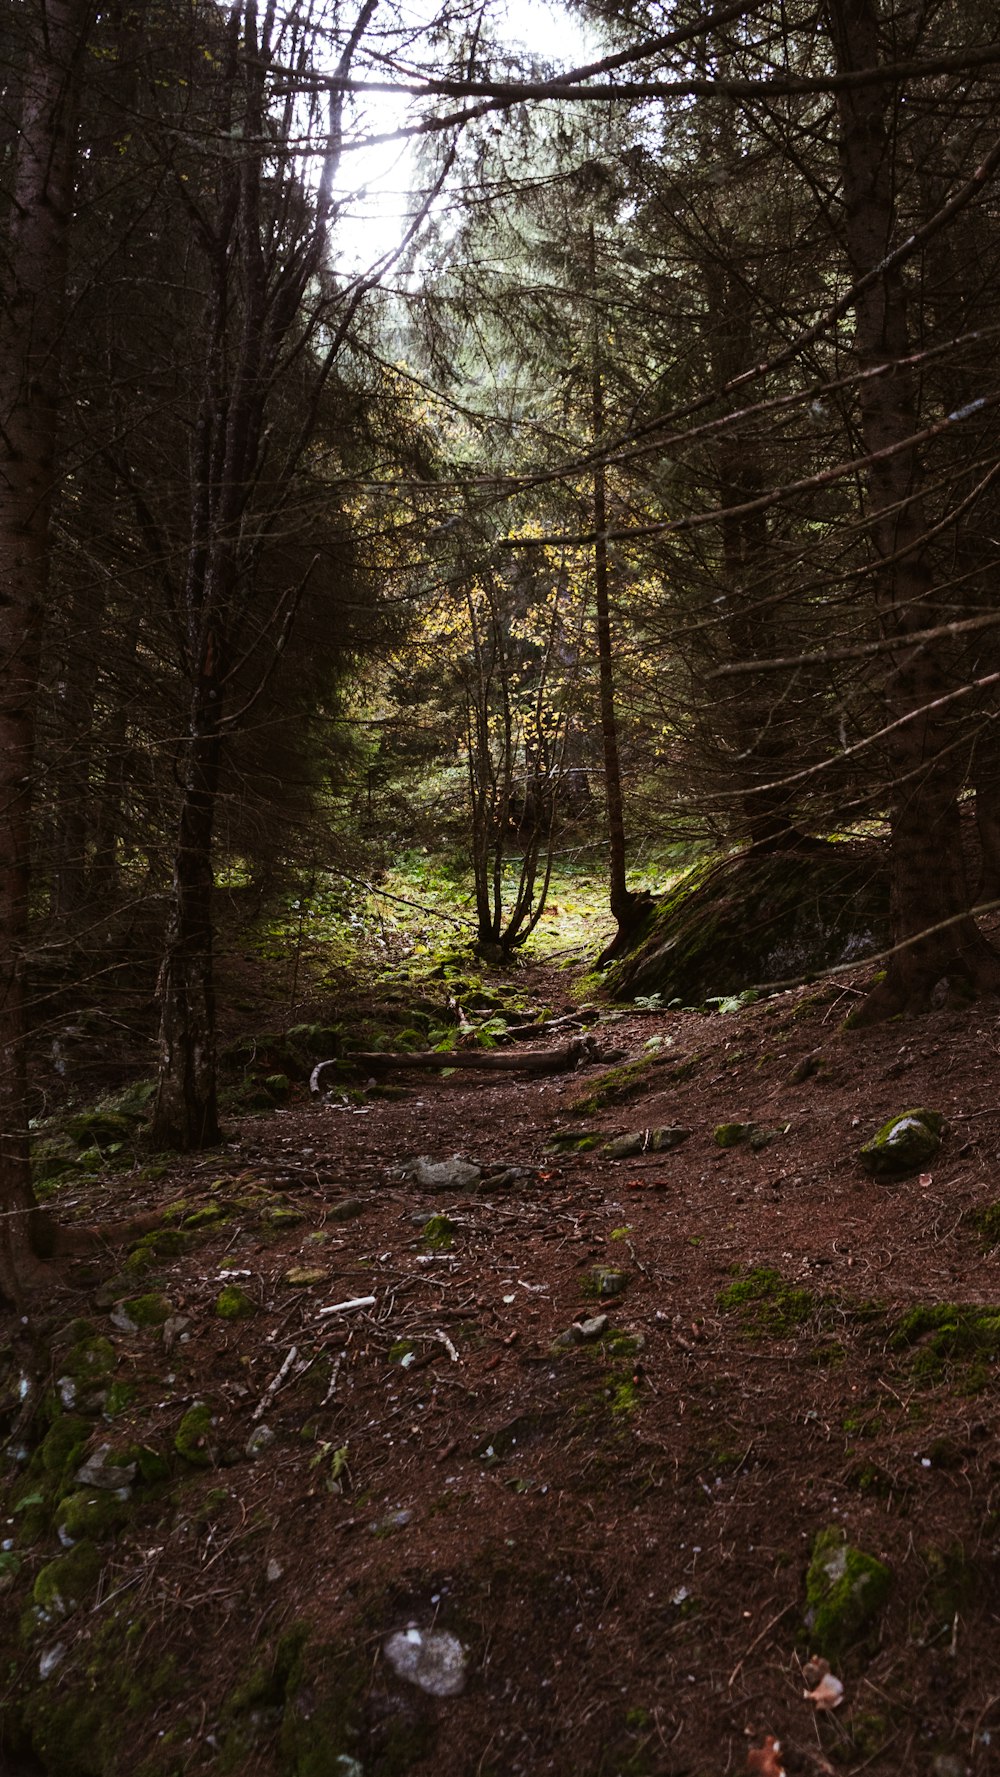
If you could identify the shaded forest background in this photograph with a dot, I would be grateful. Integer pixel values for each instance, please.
(642, 498)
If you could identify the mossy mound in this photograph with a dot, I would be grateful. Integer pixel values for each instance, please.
(846, 1591)
(767, 1303)
(756, 918)
(903, 1144)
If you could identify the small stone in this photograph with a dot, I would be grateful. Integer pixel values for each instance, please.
(429, 1658)
(646, 1141)
(605, 1282)
(346, 1210)
(303, 1275)
(949, 1764)
(582, 1330)
(395, 1521)
(51, 1658)
(455, 1174)
(273, 1571)
(260, 1439)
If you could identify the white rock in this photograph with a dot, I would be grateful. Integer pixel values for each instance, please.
(430, 1658)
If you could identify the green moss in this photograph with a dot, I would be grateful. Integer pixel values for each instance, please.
(62, 1446)
(986, 1221)
(573, 1141)
(64, 1583)
(846, 1591)
(623, 1396)
(282, 1215)
(619, 1084)
(949, 1334)
(602, 1283)
(207, 1217)
(732, 1135)
(162, 1243)
(767, 1303)
(439, 1234)
(92, 1359)
(751, 918)
(903, 1144)
(100, 1129)
(119, 1397)
(94, 1515)
(150, 1310)
(233, 1303)
(194, 1439)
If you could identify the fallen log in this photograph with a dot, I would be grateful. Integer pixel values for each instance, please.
(527, 1061)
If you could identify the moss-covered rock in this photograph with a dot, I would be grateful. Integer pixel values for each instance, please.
(732, 1135)
(150, 1310)
(162, 1243)
(63, 1444)
(64, 1583)
(195, 1437)
(756, 918)
(233, 1303)
(92, 1359)
(903, 1144)
(846, 1591)
(439, 1234)
(91, 1514)
(603, 1283)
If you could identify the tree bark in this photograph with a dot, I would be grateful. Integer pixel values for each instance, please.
(934, 936)
(31, 325)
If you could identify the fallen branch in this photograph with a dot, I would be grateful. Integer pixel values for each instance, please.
(529, 1061)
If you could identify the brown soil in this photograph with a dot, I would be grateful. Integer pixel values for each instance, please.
(619, 1538)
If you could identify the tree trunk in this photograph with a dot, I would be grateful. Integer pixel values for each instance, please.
(185, 1114)
(31, 316)
(932, 931)
(627, 908)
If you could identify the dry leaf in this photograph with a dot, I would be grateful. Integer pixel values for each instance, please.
(828, 1694)
(926, 1178)
(764, 1761)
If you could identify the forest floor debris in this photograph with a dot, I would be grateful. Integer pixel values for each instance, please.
(608, 1500)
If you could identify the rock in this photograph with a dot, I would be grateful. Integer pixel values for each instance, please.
(98, 1472)
(455, 1174)
(346, 1210)
(574, 1141)
(303, 1275)
(845, 1592)
(260, 1439)
(64, 1583)
(232, 1303)
(949, 1764)
(429, 1658)
(904, 1144)
(645, 1141)
(395, 1521)
(589, 1329)
(51, 1658)
(194, 1439)
(273, 1571)
(731, 1135)
(604, 1282)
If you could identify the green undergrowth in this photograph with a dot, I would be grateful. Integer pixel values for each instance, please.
(934, 1342)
